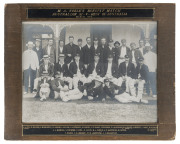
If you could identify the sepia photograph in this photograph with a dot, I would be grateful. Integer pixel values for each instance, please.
(89, 72)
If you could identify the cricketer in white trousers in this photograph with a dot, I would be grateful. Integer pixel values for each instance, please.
(125, 98)
(74, 94)
(44, 91)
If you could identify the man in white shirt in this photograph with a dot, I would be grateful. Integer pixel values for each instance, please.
(61, 47)
(30, 66)
(141, 47)
(122, 51)
(150, 59)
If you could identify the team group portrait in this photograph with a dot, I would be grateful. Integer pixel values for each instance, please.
(89, 71)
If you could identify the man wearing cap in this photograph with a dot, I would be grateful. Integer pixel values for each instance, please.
(44, 86)
(111, 50)
(96, 48)
(30, 66)
(88, 53)
(141, 76)
(116, 46)
(70, 50)
(94, 69)
(46, 66)
(59, 86)
(150, 59)
(77, 71)
(62, 68)
(103, 47)
(61, 47)
(116, 92)
(38, 50)
(126, 73)
(50, 51)
(95, 89)
(111, 70)
(80, 51)
(122, 51)
(134, 54)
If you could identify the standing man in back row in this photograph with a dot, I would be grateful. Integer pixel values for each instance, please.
(50, 51)
(38, 49)
(122, 51)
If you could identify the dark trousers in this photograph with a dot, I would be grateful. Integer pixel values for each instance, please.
(152, 81)
(32, 74)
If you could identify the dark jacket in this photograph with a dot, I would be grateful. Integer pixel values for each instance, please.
(137, 54)
(50, 69)
(129, 71)
(119, 52)
(88, 55)
(80, 52)
(55, 84)
(112, 52)
(99, 69)
(73, 68)
(68, 49)
(52, 54)
(39, 54)
(104, 54)
(143, 71)
(110, 91)
(114, 69)
(97, 93)
(62, 69)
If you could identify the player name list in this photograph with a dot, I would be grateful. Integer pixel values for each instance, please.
(90, 130)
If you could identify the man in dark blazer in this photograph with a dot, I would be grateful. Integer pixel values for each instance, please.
(135, 54)
(95, 90)
(117, 92)
(141, 76)
(70, 50)
(77, 71)
(111, 70)
(111, 50)
(126, 73)
(38, 49)
(96, 48)
(122, 51)
(88, 56)
(94, 69)
(62, 68)
(80, 49)
(61, 47)
(103, 53)
(116, 46)
(50, 51)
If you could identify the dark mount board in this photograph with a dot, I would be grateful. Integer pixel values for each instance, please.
(164, 14)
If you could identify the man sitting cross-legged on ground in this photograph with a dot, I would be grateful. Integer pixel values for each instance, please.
(62, 67)
(95, 89)
(126, 73)
(140, 79)
(45, 66)
(116, 92)
(77, 71)
(44, 85)
(94, 69)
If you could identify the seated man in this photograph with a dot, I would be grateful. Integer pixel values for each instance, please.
(58, 85)
(111, 70)
(95, 89)
(44, 86)
(63, 69)
(141, 77)
(94, 69)
(77, 71)
(126, 73)
(45, 66)
(116, 92)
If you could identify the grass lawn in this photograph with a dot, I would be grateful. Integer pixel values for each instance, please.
(87, 111)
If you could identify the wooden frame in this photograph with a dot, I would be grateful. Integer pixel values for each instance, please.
(164, 14)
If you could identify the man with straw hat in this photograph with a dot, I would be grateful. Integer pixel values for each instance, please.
(30, 66)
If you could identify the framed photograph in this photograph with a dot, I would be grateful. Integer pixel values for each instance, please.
(89, 71)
